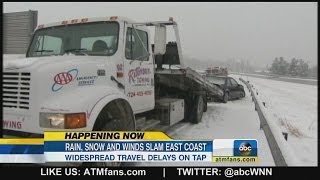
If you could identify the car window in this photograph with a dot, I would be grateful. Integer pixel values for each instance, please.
(233, 82)
(217, 80)
(228, 83)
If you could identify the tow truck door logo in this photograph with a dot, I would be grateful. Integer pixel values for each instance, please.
(64, 78)
(139, 76)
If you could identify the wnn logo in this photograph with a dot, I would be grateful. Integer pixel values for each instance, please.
(261, 171)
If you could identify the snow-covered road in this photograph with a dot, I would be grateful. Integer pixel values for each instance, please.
(234, 120)
(293, 107)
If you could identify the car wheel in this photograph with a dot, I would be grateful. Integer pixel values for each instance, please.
(226, 97)
(242, 94)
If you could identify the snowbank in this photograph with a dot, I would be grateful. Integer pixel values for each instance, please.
(292, 108)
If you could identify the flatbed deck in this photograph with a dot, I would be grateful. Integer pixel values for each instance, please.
(187, 79)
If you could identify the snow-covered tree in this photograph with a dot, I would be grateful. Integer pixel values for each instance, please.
(293, 67)
(283, 66)
(275, 66)
(313, 71)
(303, 68)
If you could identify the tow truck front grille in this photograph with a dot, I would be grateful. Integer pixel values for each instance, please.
(16, 90)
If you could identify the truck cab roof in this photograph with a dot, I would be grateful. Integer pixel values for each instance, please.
(86, 20)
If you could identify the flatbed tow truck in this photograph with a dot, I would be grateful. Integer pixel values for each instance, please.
(100, 74)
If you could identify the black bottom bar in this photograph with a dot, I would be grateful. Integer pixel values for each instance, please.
(16, 170)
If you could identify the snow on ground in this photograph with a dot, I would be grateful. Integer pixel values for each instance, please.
(281, 78)
(273, 75)
(293, 107)
(235, 120)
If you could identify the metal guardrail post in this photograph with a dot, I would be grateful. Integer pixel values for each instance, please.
(274, 147)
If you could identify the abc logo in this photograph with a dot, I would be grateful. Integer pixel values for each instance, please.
(245, 149)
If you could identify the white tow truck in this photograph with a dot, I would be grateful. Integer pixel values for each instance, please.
(99, 74)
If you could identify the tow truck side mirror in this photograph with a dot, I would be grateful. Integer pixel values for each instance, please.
(160, 40)
(30, 35)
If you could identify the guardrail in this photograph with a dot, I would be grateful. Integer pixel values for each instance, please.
(274, 147)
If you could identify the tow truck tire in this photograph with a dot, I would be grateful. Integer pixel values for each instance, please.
(198, 109)
(115, 116)
(205, 104)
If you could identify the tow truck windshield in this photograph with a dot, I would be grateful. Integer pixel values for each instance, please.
(91, 39)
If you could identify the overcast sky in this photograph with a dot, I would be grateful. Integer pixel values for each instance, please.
(258, 32)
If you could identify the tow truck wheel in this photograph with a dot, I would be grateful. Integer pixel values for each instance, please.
(198, 110)
(116, 116)
(205, 104)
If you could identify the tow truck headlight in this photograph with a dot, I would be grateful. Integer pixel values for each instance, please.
(63, 121)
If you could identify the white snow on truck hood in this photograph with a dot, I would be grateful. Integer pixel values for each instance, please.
(18, 63)
(13, 56)
(22, 62)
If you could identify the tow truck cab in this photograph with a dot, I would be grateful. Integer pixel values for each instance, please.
(100, 74)
(72, 70)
